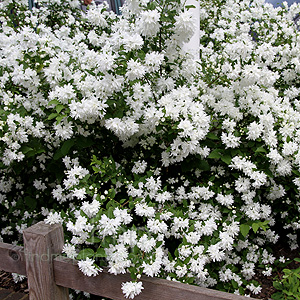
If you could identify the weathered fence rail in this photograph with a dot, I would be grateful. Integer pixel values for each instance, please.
(50, 275)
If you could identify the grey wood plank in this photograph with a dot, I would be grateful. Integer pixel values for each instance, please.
(41, 244)
(12, 259)
(109, 285)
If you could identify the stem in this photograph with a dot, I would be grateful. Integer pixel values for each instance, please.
(125, 203)
(148, 81)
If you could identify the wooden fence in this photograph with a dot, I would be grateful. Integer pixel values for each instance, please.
(50, 275)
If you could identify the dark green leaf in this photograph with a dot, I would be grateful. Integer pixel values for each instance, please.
(67, 145)
(277, 285)
(226, 159)
(212, 136)
(93, 240)
(83, 254)
(203, 165)
(57, 155)
(261, 150)
(26, 149)
(277, 296)
(100, 253)
(215, 154)
(190, 6)
(30, 202)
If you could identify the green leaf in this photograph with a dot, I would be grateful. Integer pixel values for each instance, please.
(26, 149)
(67, 145)
(212, 136)
(133, 274)
(296, 172)
(277, 285)
(57, 155)
(244, 229)
(59, 118)
(84, 142)
(110, 212)
(234, 284)
(255, 227)
(112, 193)
(190, 6)
(53, 102)
(59, 108)
(226, 159)
(63, 214)
(100, 253)
(260, 150)
(203, 165)
(93, 240)
(215, 154)
(277, 296)
(30, 202)
(52, 116)
(83, 254)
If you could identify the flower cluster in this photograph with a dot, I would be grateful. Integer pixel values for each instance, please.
(156, 163)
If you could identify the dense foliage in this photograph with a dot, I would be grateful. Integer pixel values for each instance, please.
(155, 162)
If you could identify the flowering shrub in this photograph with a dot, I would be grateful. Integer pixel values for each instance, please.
(155, 162)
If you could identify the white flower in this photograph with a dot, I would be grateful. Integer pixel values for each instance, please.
(88, 267)
(17, 277)
(129, 237)
(135, 70)
(284, 168)
(230, 140)
(226, 200)
(79, 193)
(69, 250)
(163, 197)
(139, 167)
(122, 128)
(148, 23)
(117, 257)
(215, 252)
(153, 60)
(54, 218)
(143, 210)
(131, 289)
(254, 289)
(248, 270)
(185, 25)
(90, 209)
(254, 130)
(146, 244)
(123, 215)
(133, 41)
(95, 17)
(267, 272)
(108, 226)
(81, 225)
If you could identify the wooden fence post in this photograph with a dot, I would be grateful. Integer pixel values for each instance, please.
(42, 243)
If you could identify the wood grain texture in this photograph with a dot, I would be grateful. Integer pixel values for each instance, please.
(12, 259)
(11, 295)
(50, 276)
(108, 285)
(41, 244)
